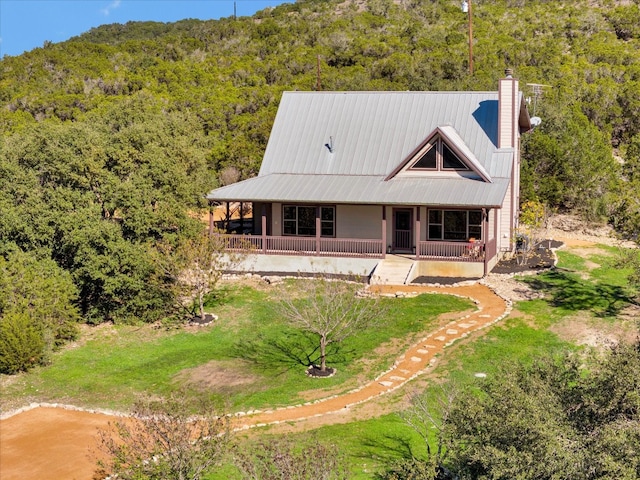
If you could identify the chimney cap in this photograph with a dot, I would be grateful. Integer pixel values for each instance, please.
(508, 72)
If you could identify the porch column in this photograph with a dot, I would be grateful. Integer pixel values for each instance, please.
(485, 234)
(210, 218)
(318, 227)
(241, 218)
(496, 219)
(417, 232)
(228, 218)
(264, 228)
(384, 231)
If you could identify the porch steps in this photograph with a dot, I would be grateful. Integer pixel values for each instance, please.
(393, 270)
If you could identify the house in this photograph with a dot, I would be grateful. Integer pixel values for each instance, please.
(428, 177)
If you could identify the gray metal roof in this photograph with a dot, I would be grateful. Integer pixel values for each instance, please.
(338, 147)
(365, 189)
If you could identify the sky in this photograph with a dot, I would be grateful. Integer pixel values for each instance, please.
(27, 24)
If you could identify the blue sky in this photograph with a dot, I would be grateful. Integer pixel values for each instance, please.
(27, 24)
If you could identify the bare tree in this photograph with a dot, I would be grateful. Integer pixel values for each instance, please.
(331, 310)
(164, 440)
(204, 260)
(428, 413)
(533, 224)
(229, 175)
(284, 460)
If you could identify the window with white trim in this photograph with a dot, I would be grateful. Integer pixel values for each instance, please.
(438, 156)
(300, 220)
(460, 225)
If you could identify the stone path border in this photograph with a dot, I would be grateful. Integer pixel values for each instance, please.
(414, 362)
(66, 432)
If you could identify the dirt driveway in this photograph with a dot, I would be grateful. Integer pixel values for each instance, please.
(49, 443)
(60, 444)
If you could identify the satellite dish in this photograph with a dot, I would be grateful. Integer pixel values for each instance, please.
(535, 121)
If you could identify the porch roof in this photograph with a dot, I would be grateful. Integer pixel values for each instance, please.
(362, 189)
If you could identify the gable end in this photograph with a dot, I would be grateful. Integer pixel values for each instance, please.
(442, 151)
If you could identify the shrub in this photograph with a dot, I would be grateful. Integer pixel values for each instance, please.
(21, 343)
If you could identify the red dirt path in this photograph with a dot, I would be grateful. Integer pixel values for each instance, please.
(60, 444)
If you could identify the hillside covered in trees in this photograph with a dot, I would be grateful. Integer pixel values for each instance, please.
(110, 140)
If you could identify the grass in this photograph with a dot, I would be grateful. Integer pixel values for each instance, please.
(113, 369)
(603, 291)
(368, 445)
(124, 362)
(373, 444)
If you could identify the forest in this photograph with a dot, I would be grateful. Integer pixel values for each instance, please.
(109, 141)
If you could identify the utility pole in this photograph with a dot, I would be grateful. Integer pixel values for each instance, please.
(466, 8)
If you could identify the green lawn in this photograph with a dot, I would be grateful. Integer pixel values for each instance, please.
(524, 335)
(123, 362)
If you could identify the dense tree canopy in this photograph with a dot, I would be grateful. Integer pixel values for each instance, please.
(572, 418)
(109, 141)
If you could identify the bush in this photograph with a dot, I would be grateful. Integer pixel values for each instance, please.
(21, 343)
(37, 309)
(412, 469)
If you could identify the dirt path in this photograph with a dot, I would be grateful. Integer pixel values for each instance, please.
(57, 443)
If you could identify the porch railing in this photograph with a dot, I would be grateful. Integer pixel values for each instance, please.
(306, 246)
(354, 247)
(452, 251)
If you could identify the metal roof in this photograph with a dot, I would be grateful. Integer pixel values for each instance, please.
(365, 189)
(338, 147)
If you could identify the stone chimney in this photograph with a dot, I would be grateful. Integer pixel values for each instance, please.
(508, 111)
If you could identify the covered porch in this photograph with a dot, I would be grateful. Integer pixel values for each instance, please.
(409, 232)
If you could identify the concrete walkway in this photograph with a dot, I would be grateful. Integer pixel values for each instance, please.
(392, 270)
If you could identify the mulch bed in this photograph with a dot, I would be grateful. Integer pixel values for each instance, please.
(540, 257)
(314, 371)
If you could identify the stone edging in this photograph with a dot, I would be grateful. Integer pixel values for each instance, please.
(431, 362)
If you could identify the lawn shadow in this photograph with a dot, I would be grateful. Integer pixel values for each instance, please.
(284, 351)
(570, 292)
(388, 448)
(281, 353)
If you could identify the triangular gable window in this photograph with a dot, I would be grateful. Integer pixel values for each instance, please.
(428, 161)
(438, 156)
(450, 160)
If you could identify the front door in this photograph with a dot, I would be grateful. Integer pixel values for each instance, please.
(402, 230)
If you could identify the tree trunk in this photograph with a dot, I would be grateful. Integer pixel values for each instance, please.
(201, 304)
(323, 353)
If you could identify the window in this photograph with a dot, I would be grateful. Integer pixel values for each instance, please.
(438, 157)
(450, 161)
(300, 220)
(460, 225)
(428, 161)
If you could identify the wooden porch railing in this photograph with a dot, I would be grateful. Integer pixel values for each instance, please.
(452, 251)
(306, 246)
(358, 248)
